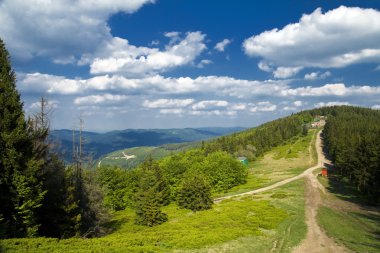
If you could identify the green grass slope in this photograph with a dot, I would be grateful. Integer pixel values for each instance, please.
(347, 218)
(132, 157)
(271, 221)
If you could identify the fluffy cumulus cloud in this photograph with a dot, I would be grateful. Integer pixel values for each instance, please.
(119, 56)
(217, 85)
(210, 105)
(286, 72)
(264, 106)
(203, 63)
(337, 38)
(324, 104)
(298, 103)
(317, 75)
(59, 29)
(100, 99)
(338, 89)
(193, 107)
(167, 103)
(221, 46)
(36, 106)
(211, 97)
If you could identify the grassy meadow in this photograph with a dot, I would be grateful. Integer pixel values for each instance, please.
(259, 223)
(280, 163)
(347, 218)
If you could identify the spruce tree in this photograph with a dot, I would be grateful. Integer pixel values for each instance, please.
(194, 193)
(153, 192)
(20, 187)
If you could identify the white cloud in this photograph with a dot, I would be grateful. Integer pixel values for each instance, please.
(167, 103)
(209, 105)
(337, 38)
(323, 104)
(59, 29)
(338, 89)
(51, 104)
(218, 85)
(298, 103)
(154, 43)
(100, 99)
(311, 76)
(172, 111)
(376, 107)
(264, 66)
(118, 56)
(286, 72)
(221, 46)
(239, 107)
(264, 106)
(213, 113)
(203, 63)
(317, 75)
(172, 34)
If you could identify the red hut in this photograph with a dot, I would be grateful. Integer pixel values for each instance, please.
(324, 172)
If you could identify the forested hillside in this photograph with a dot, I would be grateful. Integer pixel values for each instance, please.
(352, 135)
(99, 144)
(214, 164)
(255, 141)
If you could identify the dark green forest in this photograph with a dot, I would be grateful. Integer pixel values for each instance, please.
(352, 135)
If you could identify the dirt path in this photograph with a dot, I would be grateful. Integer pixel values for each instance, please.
(316, 240)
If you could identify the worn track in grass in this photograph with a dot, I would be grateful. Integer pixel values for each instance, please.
(316, 239)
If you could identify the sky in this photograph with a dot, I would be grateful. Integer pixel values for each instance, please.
(191, 63)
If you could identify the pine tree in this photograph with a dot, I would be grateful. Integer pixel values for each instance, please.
(51, 214)
(20, 187)
(194, 193)
(153, 192)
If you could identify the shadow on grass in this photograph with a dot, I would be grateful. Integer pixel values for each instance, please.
(115, 225)
(340, 187)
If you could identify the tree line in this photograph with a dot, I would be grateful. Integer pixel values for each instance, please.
(352, 135)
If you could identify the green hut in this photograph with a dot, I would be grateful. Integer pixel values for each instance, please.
(243, 160)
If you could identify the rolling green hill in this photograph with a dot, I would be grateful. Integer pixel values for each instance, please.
(99, 144)
(132, 157)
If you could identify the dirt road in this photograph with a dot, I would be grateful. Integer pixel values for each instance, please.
(316, 240)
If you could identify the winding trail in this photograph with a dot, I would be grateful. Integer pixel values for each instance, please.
(316, 240)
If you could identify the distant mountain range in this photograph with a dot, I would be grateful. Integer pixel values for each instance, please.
(99, 144)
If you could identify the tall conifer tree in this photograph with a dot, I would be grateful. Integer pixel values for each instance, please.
(21, 191)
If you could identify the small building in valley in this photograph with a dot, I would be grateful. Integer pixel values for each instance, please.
(243, 160)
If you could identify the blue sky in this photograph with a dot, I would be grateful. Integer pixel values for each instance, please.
(191, 63)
